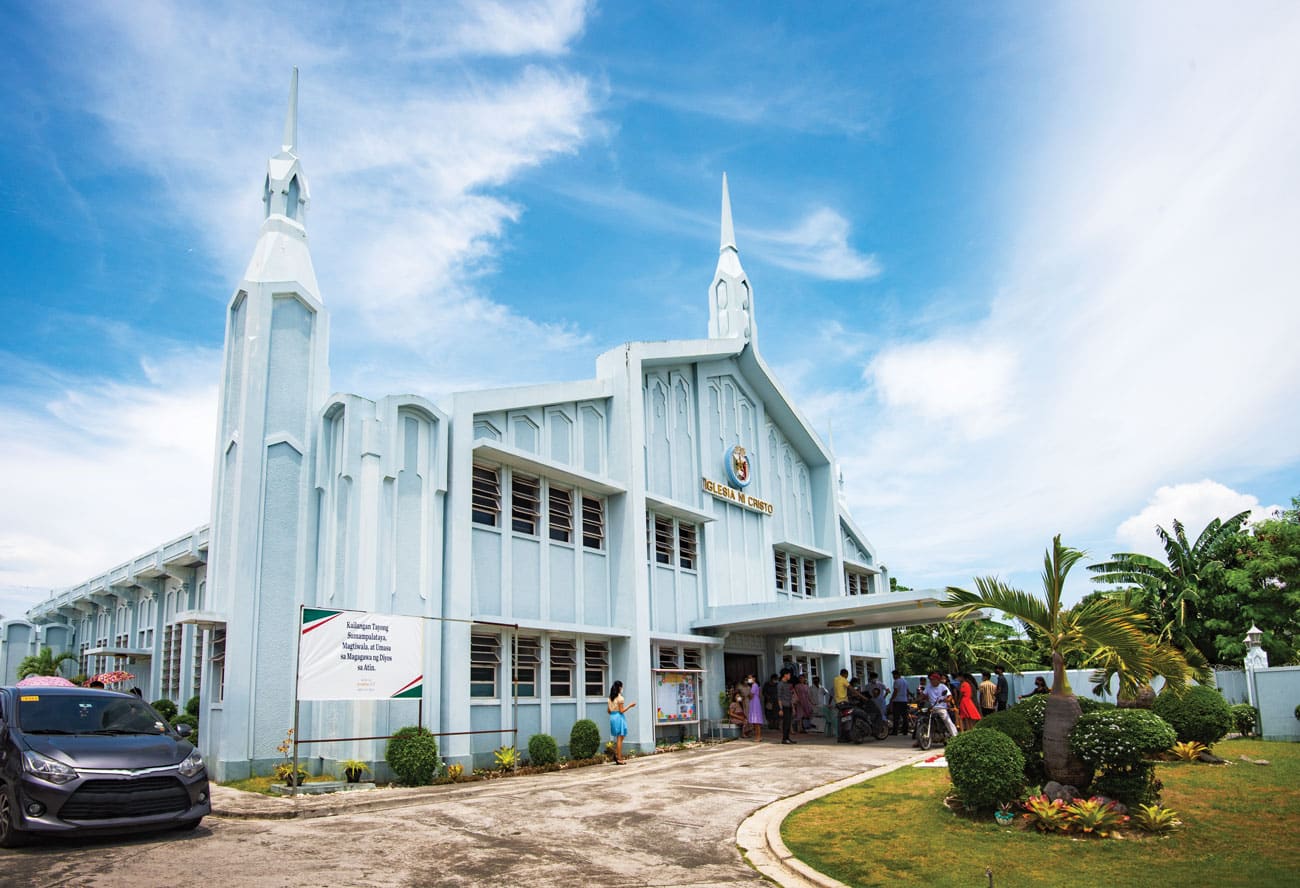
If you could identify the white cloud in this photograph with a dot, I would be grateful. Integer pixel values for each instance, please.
(108, 470)
(1195, 505)
(946, 380)
(1147, 296)
(818, 245)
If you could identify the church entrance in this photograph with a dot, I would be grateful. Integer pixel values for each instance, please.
(737, 666)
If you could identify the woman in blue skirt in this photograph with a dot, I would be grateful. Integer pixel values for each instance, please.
(618, 721)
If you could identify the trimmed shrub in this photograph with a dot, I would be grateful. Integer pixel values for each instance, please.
(166, 708)
(1119, 739)
(584, 739)
(1032, 711)
(1199, 713)
(987, 768)
(1013, 724)
(192, 706)
(1246, 718)
(542, 750)
(1135, 786)
(412, 753)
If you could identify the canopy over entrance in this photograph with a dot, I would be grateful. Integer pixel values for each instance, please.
(818, 616)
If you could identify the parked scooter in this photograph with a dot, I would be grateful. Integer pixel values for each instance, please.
(857, 723)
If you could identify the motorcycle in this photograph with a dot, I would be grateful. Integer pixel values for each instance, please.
(857, 723)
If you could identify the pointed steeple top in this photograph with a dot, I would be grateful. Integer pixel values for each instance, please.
(728, 231)
(731, 316)
(290, 141)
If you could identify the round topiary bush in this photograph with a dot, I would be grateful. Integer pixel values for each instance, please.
(1245, 718)
(1013, 724)
(412, 753)
(584, 739)
(1197, 714)
(192, 706)
(542, 750)
(1119, 739)
(987, 768)
(166, 708)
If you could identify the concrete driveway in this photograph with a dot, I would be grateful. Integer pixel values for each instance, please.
(668, 819)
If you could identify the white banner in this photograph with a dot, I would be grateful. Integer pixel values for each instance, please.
(348, 655)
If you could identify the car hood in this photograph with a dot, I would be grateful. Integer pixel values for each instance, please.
(132, 751)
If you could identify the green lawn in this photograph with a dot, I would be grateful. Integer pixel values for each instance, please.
(1241, 823)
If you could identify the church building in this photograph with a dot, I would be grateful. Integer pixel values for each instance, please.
(673, 514)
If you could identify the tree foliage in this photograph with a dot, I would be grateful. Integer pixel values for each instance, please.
(970, 645)
(46, 662)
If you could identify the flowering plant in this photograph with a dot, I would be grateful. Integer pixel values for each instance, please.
(1156, 819)
(285, 770)
(1189, 751)
(1095, 815)
(1047, 814)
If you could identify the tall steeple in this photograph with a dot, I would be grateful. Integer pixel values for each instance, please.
(731, 310)
(275, 379)
(281, 253)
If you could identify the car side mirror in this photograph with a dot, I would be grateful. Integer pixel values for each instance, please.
(184, 730)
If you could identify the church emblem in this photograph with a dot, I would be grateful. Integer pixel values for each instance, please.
(738, 468)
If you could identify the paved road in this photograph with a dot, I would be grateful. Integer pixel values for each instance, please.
(663, 820)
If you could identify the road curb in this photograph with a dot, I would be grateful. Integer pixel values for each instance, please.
(759, 836)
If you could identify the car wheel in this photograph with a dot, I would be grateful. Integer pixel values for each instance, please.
(10, 835)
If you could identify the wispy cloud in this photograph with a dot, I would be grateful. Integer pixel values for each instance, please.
(818, 245)
(1195, 504)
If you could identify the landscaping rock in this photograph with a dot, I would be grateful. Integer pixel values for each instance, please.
(1209, 758)
(1062, 792)
(1248, 759)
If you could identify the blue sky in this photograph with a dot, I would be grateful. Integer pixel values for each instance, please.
(1036, 263)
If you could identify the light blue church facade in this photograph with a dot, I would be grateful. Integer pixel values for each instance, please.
(674, 511)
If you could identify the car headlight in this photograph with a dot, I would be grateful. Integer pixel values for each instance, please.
(192, 765)
(46, 768)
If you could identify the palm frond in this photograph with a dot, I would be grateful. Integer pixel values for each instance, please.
(993, 593)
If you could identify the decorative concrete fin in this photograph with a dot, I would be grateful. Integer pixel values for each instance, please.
(728, 230)
(290, 141)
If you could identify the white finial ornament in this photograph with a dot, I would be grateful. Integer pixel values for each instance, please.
(289, 143)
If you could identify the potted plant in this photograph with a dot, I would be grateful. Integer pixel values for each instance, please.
(353, 769)
(1004, 815)
(290, 776)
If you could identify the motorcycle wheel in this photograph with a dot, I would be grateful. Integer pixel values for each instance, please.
(859, 731)
(923, 734)
(882, 729)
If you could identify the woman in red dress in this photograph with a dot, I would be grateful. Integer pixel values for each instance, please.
(967, 712)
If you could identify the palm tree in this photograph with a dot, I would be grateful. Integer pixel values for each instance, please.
(1099, 624)
(1170, 593)
(44, 663)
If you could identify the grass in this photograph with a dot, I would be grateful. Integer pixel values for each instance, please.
(1240, 823)
(263, 784)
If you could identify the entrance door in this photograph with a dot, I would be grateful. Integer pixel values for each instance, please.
(737, 666)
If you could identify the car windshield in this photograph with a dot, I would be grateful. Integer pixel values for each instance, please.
(89, 713)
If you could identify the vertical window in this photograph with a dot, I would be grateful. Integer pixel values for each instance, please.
(561, 514)
(527, 658)
(525, 504)
(486, 496)
(782, 575)
(686, 547)
(663, 540)
(219, 664)
(563, 661)
(596, 665)
(593, 523)
(484, 661)
(809, 578)
(692, 658)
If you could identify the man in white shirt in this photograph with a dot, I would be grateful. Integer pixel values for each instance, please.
(898, 703)
(940, 700)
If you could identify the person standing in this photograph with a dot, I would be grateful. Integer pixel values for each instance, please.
(803, 707)
(785, 706)
(988, 695)
(755, 707)
(879, 694)
(1003, 689)
(898, 704)
(617, 719)
(967, 712)
(769, 701)
(820, 699)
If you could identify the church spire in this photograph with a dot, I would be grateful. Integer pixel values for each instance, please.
(290, 141)
(731, 310)
(285, 192)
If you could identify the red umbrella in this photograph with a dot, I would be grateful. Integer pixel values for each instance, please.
(109, 678)
(45, 681)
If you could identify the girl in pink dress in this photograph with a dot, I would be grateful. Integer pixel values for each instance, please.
(755, 707)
